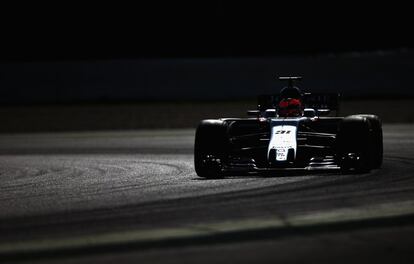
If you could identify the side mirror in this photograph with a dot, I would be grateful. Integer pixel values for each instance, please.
(254, 113)
(324, 112)
(309, 112)
(270, 113)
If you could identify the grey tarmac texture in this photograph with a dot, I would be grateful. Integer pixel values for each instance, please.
(61, 185)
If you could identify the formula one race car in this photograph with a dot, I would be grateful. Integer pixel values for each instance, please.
(289, 131)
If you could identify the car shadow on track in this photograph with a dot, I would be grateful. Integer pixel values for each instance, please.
(270, 175)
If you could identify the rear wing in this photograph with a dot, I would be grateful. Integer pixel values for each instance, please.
(318, 101)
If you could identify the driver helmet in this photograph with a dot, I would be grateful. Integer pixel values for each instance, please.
(290, 107)
(290, 104)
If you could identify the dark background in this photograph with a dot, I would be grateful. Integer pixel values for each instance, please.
(158, 29)
(63, 66)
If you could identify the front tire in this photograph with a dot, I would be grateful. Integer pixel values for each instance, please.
(210, 148)
(359, 143)
(377, 141)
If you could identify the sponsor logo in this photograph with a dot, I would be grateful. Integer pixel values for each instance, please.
(283, 132)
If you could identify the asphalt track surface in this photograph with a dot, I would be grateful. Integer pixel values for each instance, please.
(133, 196)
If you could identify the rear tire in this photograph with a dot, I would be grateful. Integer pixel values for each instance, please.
(210, 148)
